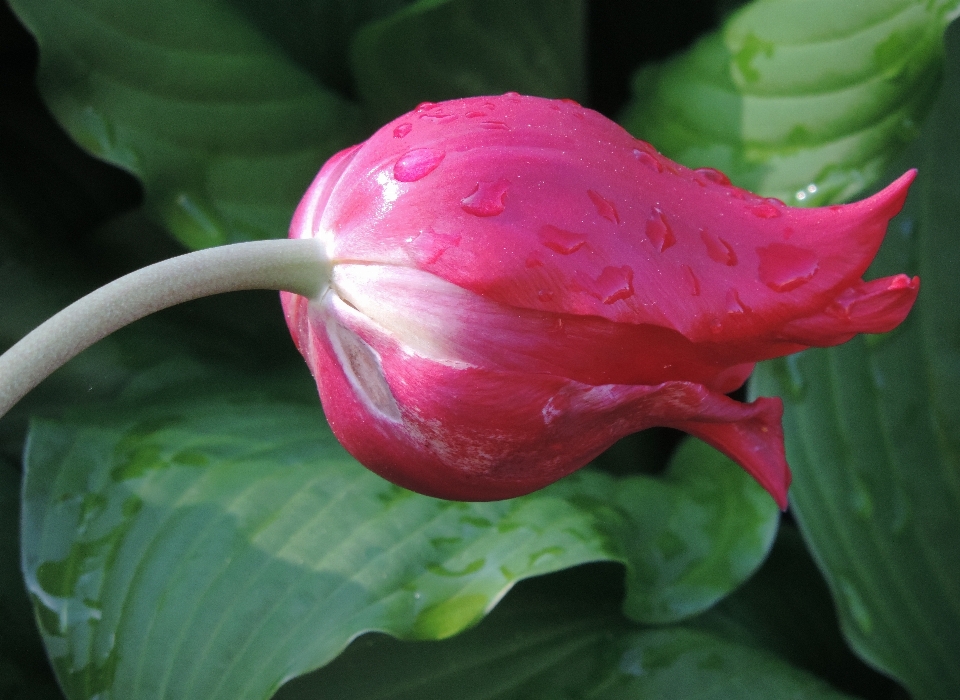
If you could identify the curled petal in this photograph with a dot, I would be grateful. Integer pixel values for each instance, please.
(868, 307)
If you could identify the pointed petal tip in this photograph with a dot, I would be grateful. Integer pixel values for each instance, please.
(754, 440)
(889, 201)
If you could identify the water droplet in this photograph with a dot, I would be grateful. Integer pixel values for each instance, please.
(768, 209)
(402, 130)
(735, 306)
(787, 233)
(439, 116)
(418, 163)
(475, 114)
(714, 176)
(561, 241)
(718, 249)
(693, 284)
(614, 284)
(491, 124)
(512, 96)
(489, 105)
(785, 267)
(648, 160)
(568, 101)
(659, 231)
(430, 245)
(486, 199)
(424, 106)
(604, 207)
(547, 295)
(533, 260)
(716, 327)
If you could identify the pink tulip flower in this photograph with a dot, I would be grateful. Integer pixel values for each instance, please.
(518, 282)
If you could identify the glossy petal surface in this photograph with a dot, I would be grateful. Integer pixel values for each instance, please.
(507, 302)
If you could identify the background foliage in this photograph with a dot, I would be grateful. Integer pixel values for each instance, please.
(178, 522)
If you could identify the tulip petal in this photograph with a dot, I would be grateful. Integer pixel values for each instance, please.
(442, 321)
(868, 307)
(463, 432)
(587, 221)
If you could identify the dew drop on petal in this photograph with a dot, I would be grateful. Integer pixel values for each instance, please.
(714, 176)
(735, 306)
(544, 295)
(785, 267)
(693, 284)
(650, 161)
(402, 130)
(439, 116)
(486, 199)
(561, 241)
(614, 284)
(604, 207)
(718, 249)
(533, 260)
(418, 163)
(659, 231)
(492, 124)
(424, 106)
(767, 209)
(474, 114)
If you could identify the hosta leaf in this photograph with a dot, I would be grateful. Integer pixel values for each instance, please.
(201, 540)
(441, 49)
(223, 127)
(873, 431)
(548, 641)
(786, 609)
(805, 100)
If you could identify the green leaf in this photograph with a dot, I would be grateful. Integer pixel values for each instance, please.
(873, 432)
(786, 609)
(550, 640)
(223, 127)
(196, 539)
(24, 672)
(804, 100)
(441, 49)
(687, 538)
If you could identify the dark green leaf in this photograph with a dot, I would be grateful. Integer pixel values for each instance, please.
(550, 639)
(805, 100)
(223, 127)
(440, 49)
(201, 540)
(873, 431)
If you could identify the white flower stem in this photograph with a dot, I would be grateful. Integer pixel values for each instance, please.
(293, 265)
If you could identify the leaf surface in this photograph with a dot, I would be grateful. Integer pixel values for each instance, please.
(223, 127)
(804, 100)
(550, 639)
(873, 432)
(441, 49)
(200, 539)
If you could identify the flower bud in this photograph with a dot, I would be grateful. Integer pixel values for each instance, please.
(518, 282)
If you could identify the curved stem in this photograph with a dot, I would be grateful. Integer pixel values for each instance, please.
(293, 265)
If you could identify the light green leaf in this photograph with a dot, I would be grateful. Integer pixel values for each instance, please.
(804, 100)
(687, 538)
(200, 540)
(223, 127)
(550, 639)
(441, 49)
(873, 433)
